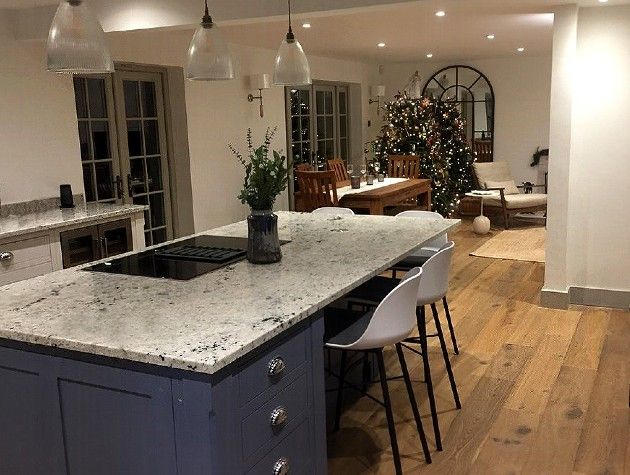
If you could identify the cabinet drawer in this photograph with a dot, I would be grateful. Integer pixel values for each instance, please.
(287, 357)
(289, 406)
(294, 452)
(29, 258)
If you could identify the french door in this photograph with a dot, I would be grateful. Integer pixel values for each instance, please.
(143, 149)
(122, 134)
(317, 124)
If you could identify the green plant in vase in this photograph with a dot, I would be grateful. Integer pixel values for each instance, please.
(266, 176)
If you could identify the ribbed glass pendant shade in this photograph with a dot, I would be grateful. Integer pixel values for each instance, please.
(76, 42)
(291, 67)
(208, 55)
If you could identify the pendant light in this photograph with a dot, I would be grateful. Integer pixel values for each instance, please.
(76, 42)
(208, 55)
(291, 67)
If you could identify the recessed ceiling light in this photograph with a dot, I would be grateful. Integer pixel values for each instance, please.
(440, 13)
(490, 36)
(381, 45)
(306, 25)
(520, 49)
(603, 1)
(429, 55)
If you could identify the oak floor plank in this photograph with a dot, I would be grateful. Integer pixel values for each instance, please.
(558, 436)
(606, 433)
(586, 347)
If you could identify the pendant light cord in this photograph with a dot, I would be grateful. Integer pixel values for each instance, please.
(207, 19)
(290, 35)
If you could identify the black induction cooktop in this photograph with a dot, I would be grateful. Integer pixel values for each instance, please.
(182, 260)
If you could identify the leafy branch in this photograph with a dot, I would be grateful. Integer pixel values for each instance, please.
(265, 177)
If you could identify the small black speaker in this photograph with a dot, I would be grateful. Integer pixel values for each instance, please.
(65, 196)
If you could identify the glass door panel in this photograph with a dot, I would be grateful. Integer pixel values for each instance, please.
(95, 109)
(144, 150)
(326, 125)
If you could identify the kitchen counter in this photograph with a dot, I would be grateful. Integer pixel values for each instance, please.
(204, 324)
(18, 225)
(223, 373)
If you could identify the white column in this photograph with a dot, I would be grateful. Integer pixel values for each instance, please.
(555, 289)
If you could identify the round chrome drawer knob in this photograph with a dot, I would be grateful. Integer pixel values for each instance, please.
(6, 256)
(281, 467)
(276, 367)
(279, 417)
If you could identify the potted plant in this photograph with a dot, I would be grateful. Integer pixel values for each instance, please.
(266, 176)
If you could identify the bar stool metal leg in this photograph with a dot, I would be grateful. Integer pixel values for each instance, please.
(388, 411)
(447, 361)
(414, 404)
(422, 329)
(342, 378)
(450, 325)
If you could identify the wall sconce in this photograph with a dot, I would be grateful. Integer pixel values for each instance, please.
(260, 82)
(377, 92)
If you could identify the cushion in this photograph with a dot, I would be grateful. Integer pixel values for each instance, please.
(518, 201)
(493, 171)
(509, 186)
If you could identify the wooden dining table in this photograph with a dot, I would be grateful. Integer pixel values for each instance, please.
(393, 191)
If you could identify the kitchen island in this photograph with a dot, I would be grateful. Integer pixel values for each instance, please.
(105, 373)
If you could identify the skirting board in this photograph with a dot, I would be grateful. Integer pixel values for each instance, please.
(585, 296)
(554, 299)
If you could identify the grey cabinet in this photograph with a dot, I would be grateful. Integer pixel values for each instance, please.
(60, 415)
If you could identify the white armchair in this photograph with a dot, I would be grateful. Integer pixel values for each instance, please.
(496, 176)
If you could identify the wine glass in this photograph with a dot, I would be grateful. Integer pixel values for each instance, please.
(363, 168)
(350, 169)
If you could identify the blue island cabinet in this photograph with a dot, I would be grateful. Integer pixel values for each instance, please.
(63, 413)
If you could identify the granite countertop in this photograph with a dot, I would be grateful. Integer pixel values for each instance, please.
(18, 225)
(204, 324)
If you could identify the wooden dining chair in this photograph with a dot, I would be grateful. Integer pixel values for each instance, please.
(404, 166)
(483, 150)
(337, 165)
(304, 167)
(318, 189)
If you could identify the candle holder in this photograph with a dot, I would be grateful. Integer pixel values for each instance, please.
(355, 182)
(370, 179)
(381, 177)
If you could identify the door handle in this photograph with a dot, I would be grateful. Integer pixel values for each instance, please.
(130, 185)
(119, 187)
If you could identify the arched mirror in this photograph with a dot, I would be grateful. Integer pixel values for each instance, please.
(472, 92)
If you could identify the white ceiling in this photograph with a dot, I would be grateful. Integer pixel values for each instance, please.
(410, 29)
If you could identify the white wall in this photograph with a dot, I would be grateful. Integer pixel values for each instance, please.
(41, 105)
(39, 145)
(522, 90)
(598, 221)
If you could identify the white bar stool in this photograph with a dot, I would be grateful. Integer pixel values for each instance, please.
(433, 288)
(390, 323)
(421, 255)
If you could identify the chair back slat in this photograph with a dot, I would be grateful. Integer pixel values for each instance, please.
(319, 189)
(404, 166)
(483, 150)
(337, 165)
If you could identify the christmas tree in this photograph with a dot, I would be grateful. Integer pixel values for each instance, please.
(434, 130)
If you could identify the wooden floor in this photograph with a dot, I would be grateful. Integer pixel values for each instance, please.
(543, 391)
